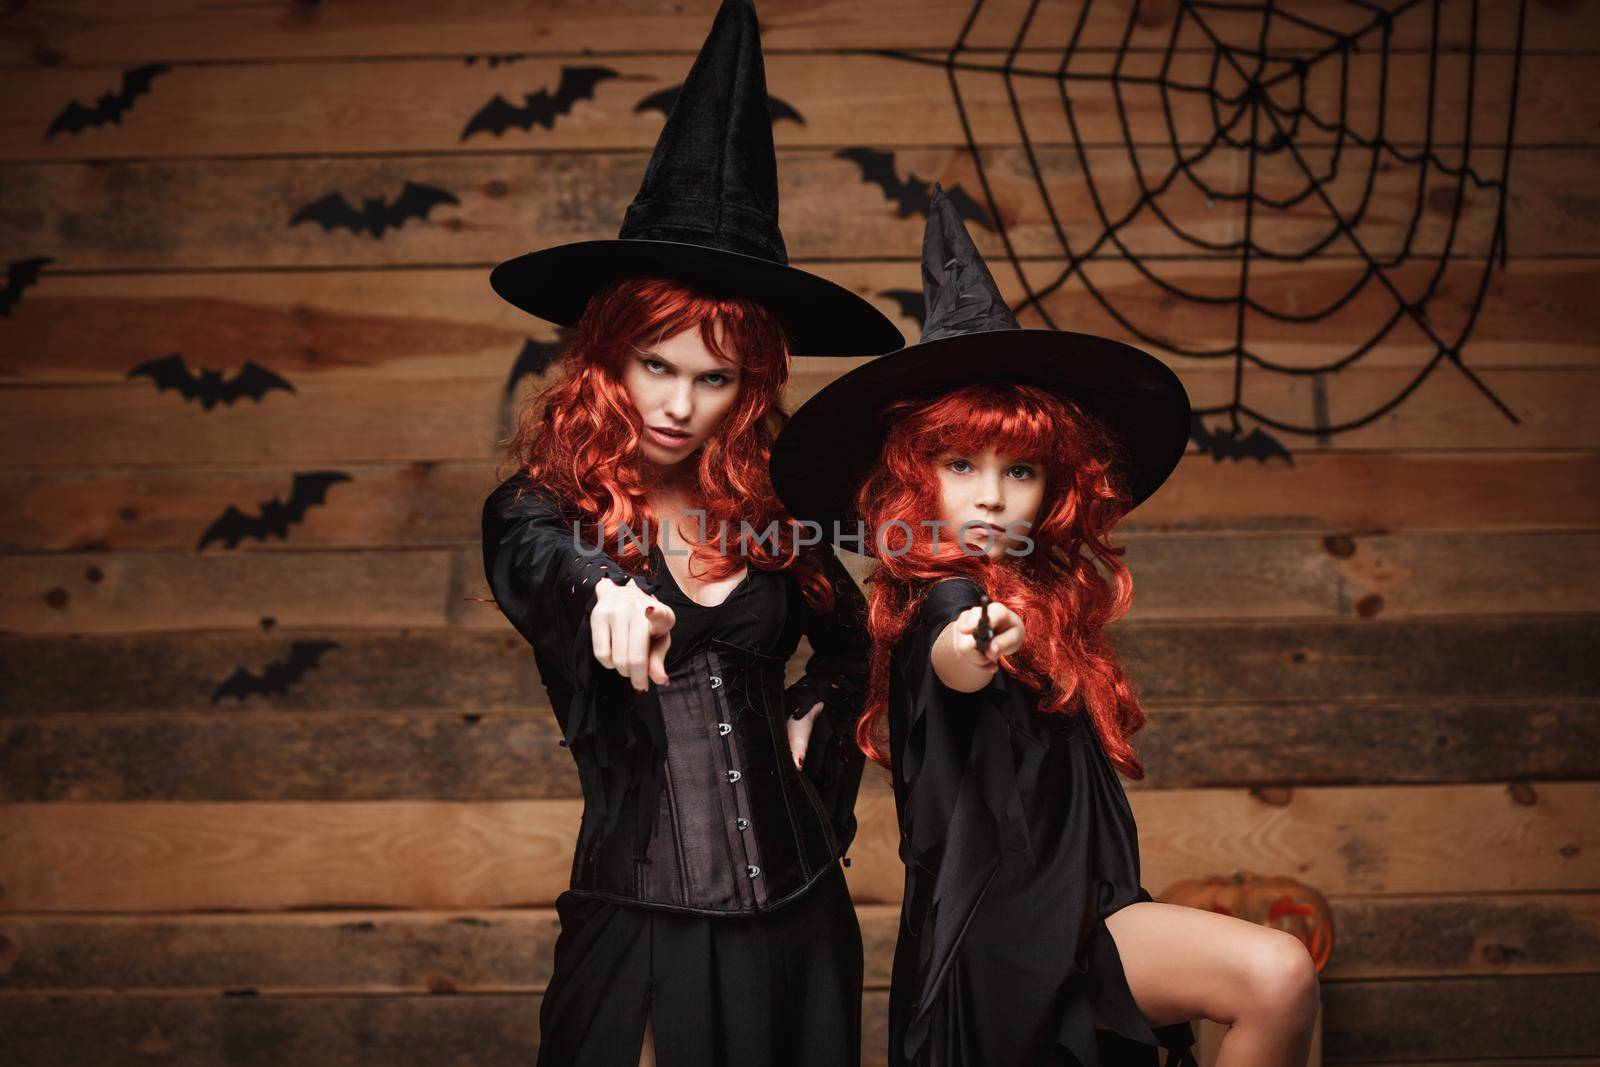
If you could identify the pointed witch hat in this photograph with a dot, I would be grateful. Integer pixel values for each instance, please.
(969, 336)
(706, 214)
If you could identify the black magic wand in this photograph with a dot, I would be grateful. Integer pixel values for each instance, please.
(983, 633)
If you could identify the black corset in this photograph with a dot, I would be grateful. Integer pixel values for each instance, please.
(738, 829)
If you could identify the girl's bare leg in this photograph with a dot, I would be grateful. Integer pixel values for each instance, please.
(1184, 964)
(647, 1051)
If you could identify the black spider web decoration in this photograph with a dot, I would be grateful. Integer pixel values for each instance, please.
(1267, 117)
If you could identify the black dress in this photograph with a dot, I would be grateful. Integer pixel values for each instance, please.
(781, 987)
(1018, 842)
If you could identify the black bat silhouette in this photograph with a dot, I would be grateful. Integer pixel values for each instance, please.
(535, 358)
(278, 676)
(911, 302)
(234, 525)
(1225, 444)
(375, 215)
(20, 275)
(913, 194)
(108, 107)
(662, 101)
(209, 386)
(541, 108)
(983, 633)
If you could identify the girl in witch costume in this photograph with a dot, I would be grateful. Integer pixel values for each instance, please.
(640, 550)
(991, 463)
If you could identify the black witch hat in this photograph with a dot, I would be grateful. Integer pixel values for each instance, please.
(706, 214)
(969, 336)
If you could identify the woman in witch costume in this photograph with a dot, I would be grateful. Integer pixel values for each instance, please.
(990, 464)
(640, 550)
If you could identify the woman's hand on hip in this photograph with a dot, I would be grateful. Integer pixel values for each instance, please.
(800, 734)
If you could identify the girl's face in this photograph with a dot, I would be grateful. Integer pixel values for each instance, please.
(681, 391)
(998, 495)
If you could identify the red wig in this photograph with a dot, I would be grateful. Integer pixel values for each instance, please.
(1063, 599)
(582, 442)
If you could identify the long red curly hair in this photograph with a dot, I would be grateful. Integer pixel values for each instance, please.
(580, 439)
(1063, 599)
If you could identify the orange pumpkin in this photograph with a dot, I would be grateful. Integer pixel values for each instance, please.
(1281, 903)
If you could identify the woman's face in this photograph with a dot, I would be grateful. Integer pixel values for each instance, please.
(998, 495)
(682, 392)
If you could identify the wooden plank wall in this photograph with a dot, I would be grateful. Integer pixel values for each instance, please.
(1373, 668)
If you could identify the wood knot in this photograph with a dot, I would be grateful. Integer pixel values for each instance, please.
(1339, 546)
(41, 54)
(1497, 955)
(1523, 793)
(1441, 199)
(1154, 13)
(1278, 796)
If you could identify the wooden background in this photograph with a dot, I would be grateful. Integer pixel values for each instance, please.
(1373, 669)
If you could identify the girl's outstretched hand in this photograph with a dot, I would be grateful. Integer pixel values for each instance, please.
(631, 632)
(956, 659)
(1006, 629)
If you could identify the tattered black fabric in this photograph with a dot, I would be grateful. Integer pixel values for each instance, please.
(1018, 842)
(543, 575)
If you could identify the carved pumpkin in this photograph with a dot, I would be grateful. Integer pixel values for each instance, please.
(1281, 903)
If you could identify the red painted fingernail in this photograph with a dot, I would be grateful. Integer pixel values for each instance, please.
(649, 609)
